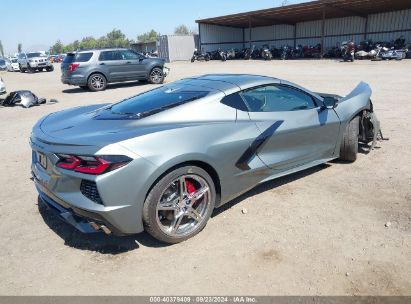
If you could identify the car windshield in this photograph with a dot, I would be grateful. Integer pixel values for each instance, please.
(14, 60)
(156, 100)
(2, 62)
(32, 55)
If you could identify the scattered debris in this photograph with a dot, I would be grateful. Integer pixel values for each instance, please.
(24, 98)
(387, 224)
(347, 274)
(244, 211)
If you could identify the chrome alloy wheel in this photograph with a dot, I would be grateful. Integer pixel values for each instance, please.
(183, 205)
(156, 75)
(97, 82)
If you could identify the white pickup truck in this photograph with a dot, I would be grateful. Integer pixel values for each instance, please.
(34, 61)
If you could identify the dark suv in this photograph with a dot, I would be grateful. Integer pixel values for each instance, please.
(94, 69)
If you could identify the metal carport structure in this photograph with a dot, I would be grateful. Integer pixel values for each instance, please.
(311, 21)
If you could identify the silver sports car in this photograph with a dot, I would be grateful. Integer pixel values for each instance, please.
(161, 161)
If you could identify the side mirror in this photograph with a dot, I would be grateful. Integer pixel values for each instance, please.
(329, 103)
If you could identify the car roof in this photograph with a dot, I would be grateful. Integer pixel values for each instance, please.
(231, 81)
(99, 50)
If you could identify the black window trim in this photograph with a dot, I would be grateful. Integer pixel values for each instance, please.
(317, 102)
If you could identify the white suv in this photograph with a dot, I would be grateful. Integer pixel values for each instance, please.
(34, 61)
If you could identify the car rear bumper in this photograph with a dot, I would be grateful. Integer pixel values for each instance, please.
(82, 224)
(78, 80)
(83, 220)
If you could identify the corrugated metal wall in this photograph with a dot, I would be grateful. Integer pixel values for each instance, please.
(181, 47)
(274, 36)
(399, 21)
(213, 37)
(176, 47)
(144, 47)
(381, 27)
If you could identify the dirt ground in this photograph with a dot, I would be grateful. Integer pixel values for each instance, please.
(319, 232)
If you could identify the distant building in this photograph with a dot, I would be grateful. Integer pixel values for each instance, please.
(322, 22)
(170, 47)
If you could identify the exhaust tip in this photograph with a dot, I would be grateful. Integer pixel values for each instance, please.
(98, 227)
(105, 229)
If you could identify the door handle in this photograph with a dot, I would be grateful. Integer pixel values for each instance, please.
(102, 63)
(128, 62)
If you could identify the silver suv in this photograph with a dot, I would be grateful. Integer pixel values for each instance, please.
(34, 61)
(94, 69)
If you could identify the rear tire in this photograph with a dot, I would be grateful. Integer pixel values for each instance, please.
(97, 82)
(349, 144)
(50, 69)
(167, 193)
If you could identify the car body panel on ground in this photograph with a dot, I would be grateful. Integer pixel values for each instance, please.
(2, 87)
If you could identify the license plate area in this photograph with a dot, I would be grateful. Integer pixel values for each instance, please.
(42, 160)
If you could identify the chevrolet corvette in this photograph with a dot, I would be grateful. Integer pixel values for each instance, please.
(163, 160)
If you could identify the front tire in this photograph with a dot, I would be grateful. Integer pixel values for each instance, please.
(97, 82)
(156, 76)
(349, 144)
(179, 205)
(50, 69)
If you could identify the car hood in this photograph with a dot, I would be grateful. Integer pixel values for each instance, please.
(160, 61)
(79, 126)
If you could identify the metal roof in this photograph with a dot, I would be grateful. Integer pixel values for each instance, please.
(314, 10)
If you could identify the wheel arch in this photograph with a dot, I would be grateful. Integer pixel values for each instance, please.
(198, 163)
(97, 72)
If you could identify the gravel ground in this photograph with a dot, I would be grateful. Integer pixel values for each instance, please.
(319, 232)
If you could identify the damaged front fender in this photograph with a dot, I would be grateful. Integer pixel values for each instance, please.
(358, 103)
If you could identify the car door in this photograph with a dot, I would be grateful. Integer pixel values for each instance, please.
(134, 64)
(295, 129)
(112, 62)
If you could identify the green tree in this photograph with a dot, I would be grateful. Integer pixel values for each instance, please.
(19, 48)
(88, 43)
(148, 37)
(57, 48)
(181, 30)
(1, 49)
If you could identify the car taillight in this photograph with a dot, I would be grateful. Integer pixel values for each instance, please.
(92, 164)
(72, 67)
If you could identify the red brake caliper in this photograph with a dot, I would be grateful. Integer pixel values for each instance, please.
(190, 187)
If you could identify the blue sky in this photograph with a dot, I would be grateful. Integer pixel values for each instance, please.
(38, 24)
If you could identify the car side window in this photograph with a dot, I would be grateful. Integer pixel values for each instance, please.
(277, 98)
(234, 101)
(110, 55)
(129, 55)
